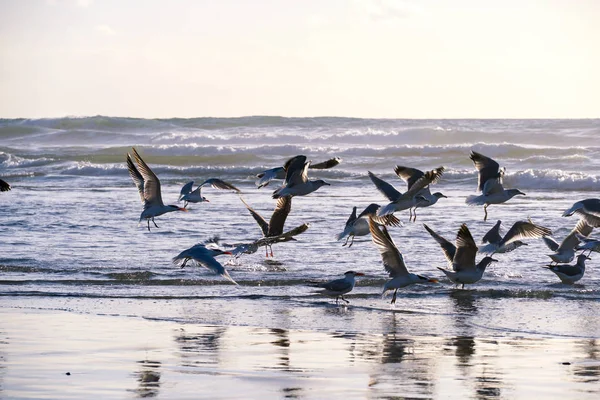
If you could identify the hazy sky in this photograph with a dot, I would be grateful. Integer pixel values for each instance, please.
(355, 58)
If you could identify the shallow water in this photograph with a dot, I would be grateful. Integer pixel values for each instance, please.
(70, 239)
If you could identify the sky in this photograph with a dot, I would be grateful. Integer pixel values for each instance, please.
(301, 58)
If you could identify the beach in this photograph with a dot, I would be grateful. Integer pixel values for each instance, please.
(92, 306)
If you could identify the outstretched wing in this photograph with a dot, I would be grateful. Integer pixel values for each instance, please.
(393, 261)
(385, 188)
(493, 235)
(264, 225)
(186, 189)
(448, 248)
(219, 184)
(280, 214)
(332, 162)
(487, 168)
(524, 229)
(408, 175)
(466, 250)
(146, 181)
(4, 186)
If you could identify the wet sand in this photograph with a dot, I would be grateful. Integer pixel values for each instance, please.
(52, 354)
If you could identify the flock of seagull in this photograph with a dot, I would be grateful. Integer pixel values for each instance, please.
(374, 220)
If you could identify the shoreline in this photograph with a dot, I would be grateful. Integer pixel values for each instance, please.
(123, 357)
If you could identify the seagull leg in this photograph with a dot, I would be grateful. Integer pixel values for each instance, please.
(271, 247)
(185, 261)
(463, 286)
(148, 224)
(415, 215)
(337, 299)
(342, 296)
(346, 242)
(485, 209)
(153, 222)
(394, 297)
(266, 251)
(409, 214)
(351, 242)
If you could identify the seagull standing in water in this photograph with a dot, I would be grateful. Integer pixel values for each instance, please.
(511, 240)
(410, 198)
(148, 186)
(570, 274)
(565, 251)
(489, 183)
(359, 226)
(265, 177)
(296, 179)
(461, 257)
(194, 196)
(424, 197)
(393, 261)
(338, 287)
(205, 257)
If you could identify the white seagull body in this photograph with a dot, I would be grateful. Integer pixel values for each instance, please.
(461, 257)
(489, 183)
(148, 186)
(393, 261)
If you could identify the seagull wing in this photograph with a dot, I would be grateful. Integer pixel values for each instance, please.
(492, 186)
(216, 183)
(296, 171)
(186, 189)
(4, 186)
(280, 214)
(332, 162)
(466, 250)
(572, 239)
(151, 184)
(352, 217)
(393, 261)
(408, 175)
(267, 176)
(493, 235)
(488, 168)
(428, 178)
(264, 225)
(524, 229)
(371, 210)
(385, 188)
(338, 285)
(448, 248)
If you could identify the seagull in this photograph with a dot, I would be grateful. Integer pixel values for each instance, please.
(565, 251)
(359, 226)
(194, 196)
(338, 287)
(510, 241)
(237, 249)
(265, 177)
(275, 225)
(570, 274)
(205, 257)
(393, 261)
(411, 176)
(4, 187)
(410, 198)
(148, 185)
(489, 183)
(461, 257)
(587, 210)
(296, 179)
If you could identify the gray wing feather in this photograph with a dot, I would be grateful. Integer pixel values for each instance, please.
(393, 261)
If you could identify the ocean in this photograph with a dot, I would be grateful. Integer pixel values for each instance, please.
(70, 240)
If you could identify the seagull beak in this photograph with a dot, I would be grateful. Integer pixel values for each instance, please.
(359, 274)
(493, 259)
(432, 280)
(228, 252)
(521, 193)
(183, 209)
